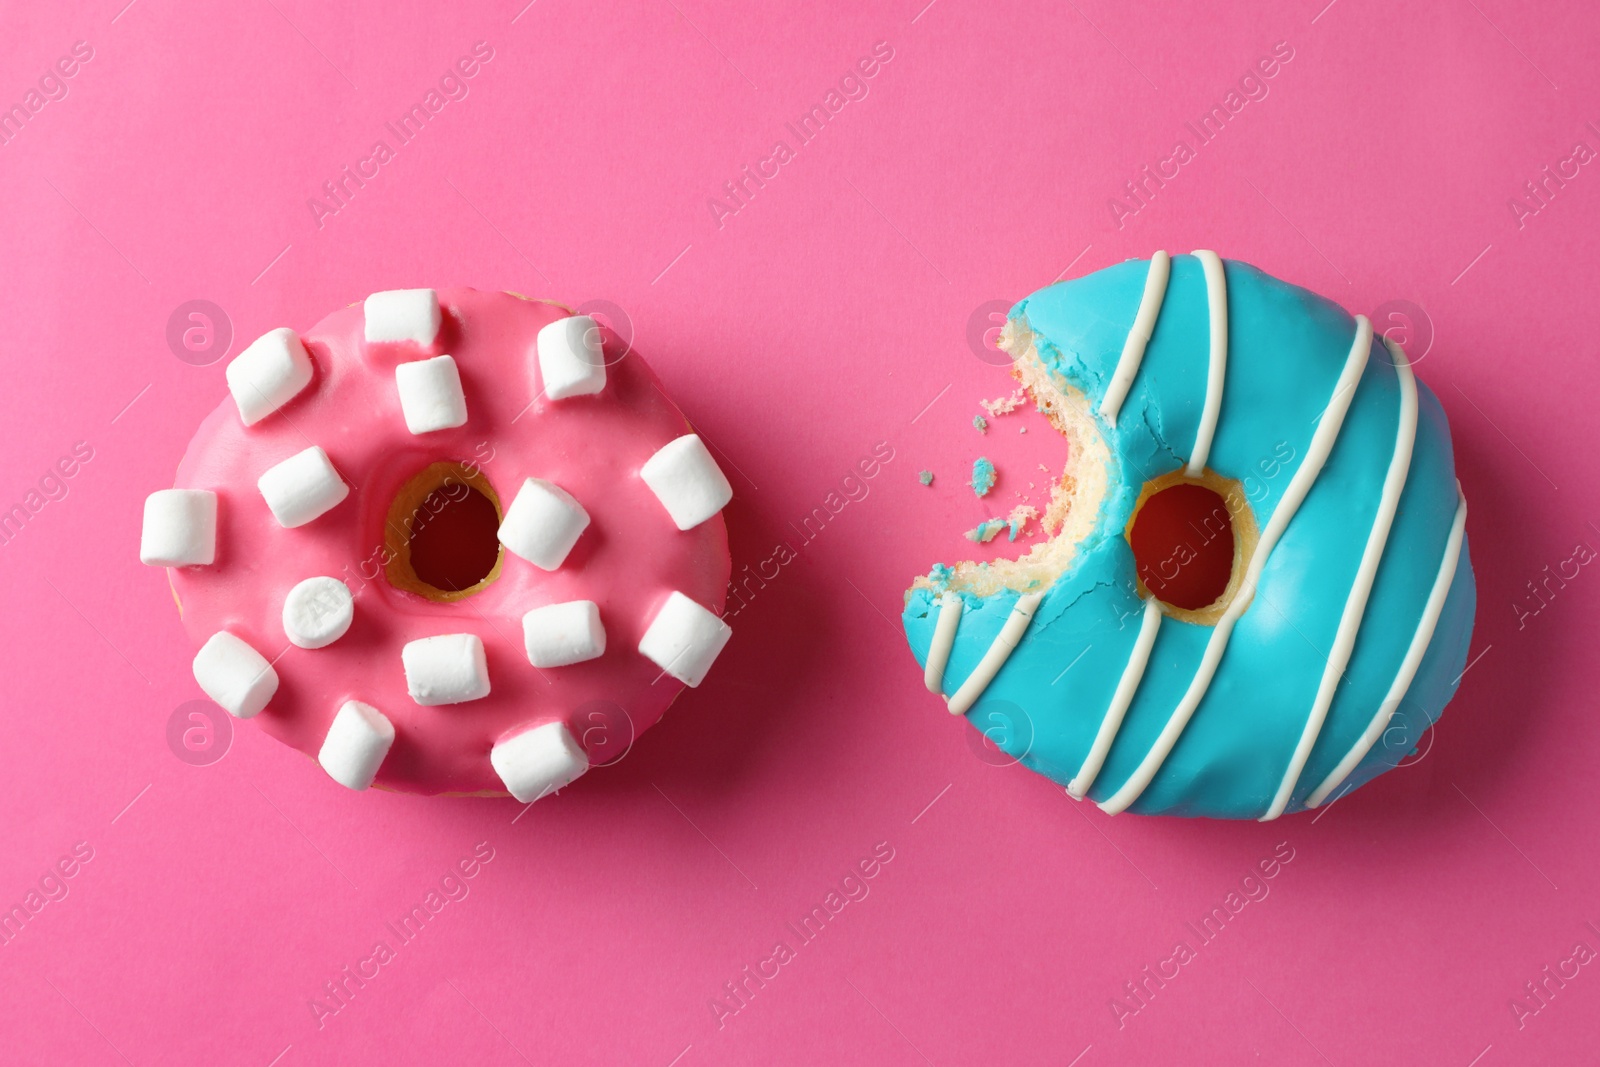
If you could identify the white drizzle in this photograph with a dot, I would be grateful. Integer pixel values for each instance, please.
(1322, 442)
(1144, 325)
(1355, 605)
(999, 651)
(1408, 666)
(1132, 675)
(944, 639)
(1216, 370)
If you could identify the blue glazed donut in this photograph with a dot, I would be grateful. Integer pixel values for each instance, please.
(1343, 631)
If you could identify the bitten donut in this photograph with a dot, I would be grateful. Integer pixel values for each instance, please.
(1334, 627)
(447, 542)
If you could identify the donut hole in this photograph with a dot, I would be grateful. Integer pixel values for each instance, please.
(1183, 545)
(442, 533)
(1191, 538)
(453, 546)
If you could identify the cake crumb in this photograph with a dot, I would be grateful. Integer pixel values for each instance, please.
(925, 477)
(980, 424)
(1004, 405)
(1019, 518)
(985, 532)
(983, 476)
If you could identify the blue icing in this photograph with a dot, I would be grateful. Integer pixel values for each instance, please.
(1301, 596)
(1286, 349)
(1440, 671)
(1430, 491)
(983, 475)
(1055, 640)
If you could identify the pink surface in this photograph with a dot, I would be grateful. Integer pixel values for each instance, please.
(830, 313)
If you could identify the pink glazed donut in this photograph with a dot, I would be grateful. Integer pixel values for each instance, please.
(447, 541)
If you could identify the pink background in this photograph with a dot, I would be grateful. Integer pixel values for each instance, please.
(816, 322)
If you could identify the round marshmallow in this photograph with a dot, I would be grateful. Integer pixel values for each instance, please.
(317, 612)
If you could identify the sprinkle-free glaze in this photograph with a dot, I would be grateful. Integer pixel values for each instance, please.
(1217, 722)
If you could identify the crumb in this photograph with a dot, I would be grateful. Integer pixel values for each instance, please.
(1019, 518)
(985, 532)
(925, 477)
(1003, 406)
(1022, 429)
(983, 476)
(980, 424)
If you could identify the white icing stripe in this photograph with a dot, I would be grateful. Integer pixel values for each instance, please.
(1355, 606)
(1408, 666)
(1000, 650)
(1216, 371)
(1322, 442)
(1144, 325)
(944, 638)
(1132, 675)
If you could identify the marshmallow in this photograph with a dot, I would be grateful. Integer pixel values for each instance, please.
(687, 481)
(538, 761)
(560, 634)
(684, 639)
(235, 675)
(268, 374)
(542, 524)
(180, 528)
(302, 487)
(355, 745)
(430, 394)
(447, 669)
(317, 612)
(402, 315)
(571, 361)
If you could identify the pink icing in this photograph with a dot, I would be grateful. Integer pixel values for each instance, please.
(628, 560)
